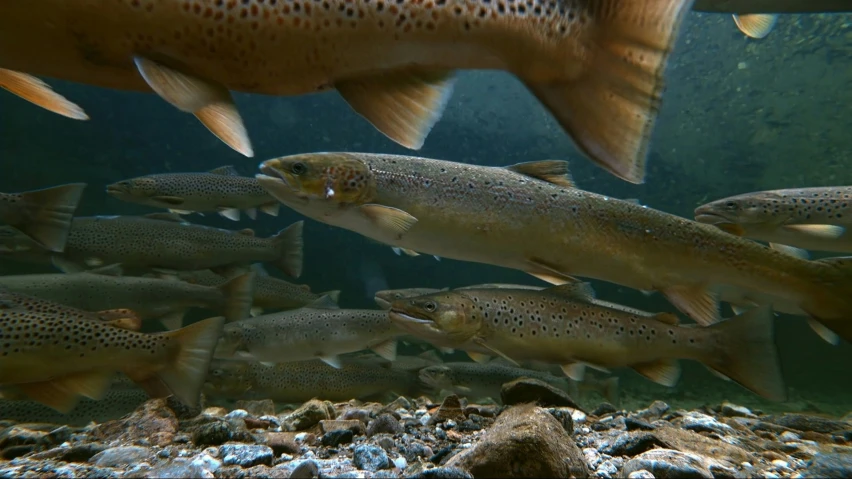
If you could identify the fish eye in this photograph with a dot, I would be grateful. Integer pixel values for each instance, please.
(730, 204)
(298, 168)
(430, 306)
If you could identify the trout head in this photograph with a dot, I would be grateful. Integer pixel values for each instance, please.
(386, 297)
(437, 377)
(137, 189)
(227, 378)
(318, 181)
(748, 209)
(444, 318)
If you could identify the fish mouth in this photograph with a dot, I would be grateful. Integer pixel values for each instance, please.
(115, 189)
(383, 303)
(709, 217)
(402, 318)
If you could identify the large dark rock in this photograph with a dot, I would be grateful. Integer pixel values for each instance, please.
(528, 390)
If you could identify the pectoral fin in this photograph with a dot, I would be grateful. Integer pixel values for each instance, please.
(390, 220)
(39, 93)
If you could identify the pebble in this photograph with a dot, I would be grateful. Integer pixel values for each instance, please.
(384, 424)
(305, 470)
(337, 437)
(121, 456)
(370, 458)
(733, 410)
(245, 455)
(528, 390)
(640, 474)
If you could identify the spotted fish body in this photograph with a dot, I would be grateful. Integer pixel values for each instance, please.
(53, 356)
(559, 326)
(221, 190)
(151, 242)
(392, 61)
(531, 217)
(809, 218)
(476, 380)
(309, 333)
(300, 381)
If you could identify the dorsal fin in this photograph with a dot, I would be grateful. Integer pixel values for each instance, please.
(667, 318)
(579, 291)
(226, 170)
(165, 217)
(246, 232)
(551, 171)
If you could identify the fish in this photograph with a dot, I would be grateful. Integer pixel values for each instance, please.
(757, 18)
(164, 241)
(531, 217)
(222, 190)
(597, 67)
(119, 317)
(53, 357)
(385, 297)
(476, 380)
(297, 382)
(42, 215)
(806, 218)
(558, 325)
(114, 404)
(309, 333)
(150, 298)
(270, 293)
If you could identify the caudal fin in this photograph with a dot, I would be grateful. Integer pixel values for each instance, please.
(47, 214)
(239, 297)
(748, 354)
(288, 242)
(609, 109)
(185, 374)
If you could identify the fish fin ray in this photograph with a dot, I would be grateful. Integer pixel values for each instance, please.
(756, 25)
(481, 342)
(325, 301)
(290, 244)
(386, 349)
(478, 357)
(575, 371)
(39, 93)
(227, 170)
(272, 209)
(579, 291)
(790, 250)
(251, 213)
(667, 318)
(826, 334)
(698, 303)
(333, 361)
(551, 171)
(232, 214)
(238, 293)
(174, 320)
(663, 371)
(817, 231)
(388, 219)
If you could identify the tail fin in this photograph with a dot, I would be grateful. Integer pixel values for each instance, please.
(48, 214)
(239, 297)
(609, 109)
(185, 375)
(289, 244)
(334, 295)
(749, 355)
(830, 308)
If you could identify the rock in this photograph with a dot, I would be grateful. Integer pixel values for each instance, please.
(368, 457)
(214, 431)
(182, 410)
(652, 412)
(16, 441)
(308, 415)
(121, 456)
(415, 450)
(528, 390)
(385, 475)
(386, 442)
(356, 414)
(698, 422)
(632, 443)
(804, 422)
(305, 470)
(525, 441)
(633, 424)
(354, 425)
(733, 410)
(603, 409)
(789, 436)
(442, 473)
(399, 403)
(179, 468)
(76, 453)
(263, 407)
(281, 443)
(640, 474)
(384, 424)
(564, 416)
(337, 437)
(215, 411)
(829, 466)
(152, 423)
(245, 455)
(667, 463)
(482, 410)
(450, 409)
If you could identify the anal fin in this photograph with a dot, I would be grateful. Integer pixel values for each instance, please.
(39, 93)
(663, 371)
(386, 349)
(756, 25)
(698, 303)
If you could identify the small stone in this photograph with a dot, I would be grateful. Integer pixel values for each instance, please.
(668, 463)
(805, 422)
(733, 410)
(245, 455)
(699, 422)
(442, 473)
(830, 466)
(384, 424)
(563, 415)
(528, 390)
(215, 411)
(416, 450)
(356, 414)
(153, 422)
(212, 433)
(780, 464)
(263, 407)
(77, 453)
(386, 442)
(632, 443)
(450, 409)
(368, 457)
(309, 415)
(400, 403)
(183, 410)
(305, 470)
(603, 409)
(354, 425)
(121, 456)
(654, 411)
(177, 469)
(789, 436)
(281, 443)
(633, 424)
(640, 474)
(207, 462)
(237, 414)
(385, 474)
(337, 437)
(400, 463)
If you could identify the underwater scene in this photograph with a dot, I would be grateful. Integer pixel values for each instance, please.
(425, 238)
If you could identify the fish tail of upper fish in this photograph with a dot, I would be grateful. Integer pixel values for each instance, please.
(47, 214)
(289, 245)
(184, 374)
(830, 305)
(748, 353)
(238, 293)
(609, 109)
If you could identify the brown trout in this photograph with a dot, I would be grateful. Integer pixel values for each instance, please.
(222, 190)
(297, 382)
(597, 66)
(559, 325)
(531, 217)
(809, 218)
(42, 215)
(150, 298)
(164, 241)
(54, 357)
(483, 380)
(309, 333)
